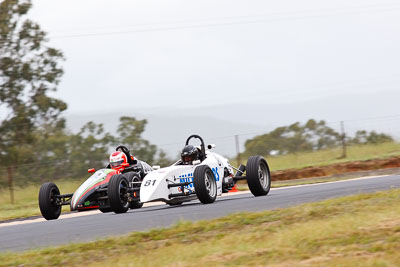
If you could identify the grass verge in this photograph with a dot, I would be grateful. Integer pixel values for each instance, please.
(360, 230)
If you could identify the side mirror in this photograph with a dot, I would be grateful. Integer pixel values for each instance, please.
(92, 170)
(211, 146)
(156, 167)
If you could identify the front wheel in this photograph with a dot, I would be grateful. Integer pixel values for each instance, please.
(205, 184)
(118, 194)
(258, 176)
(49, 207)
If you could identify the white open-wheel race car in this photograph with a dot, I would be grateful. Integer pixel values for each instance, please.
(204, 179)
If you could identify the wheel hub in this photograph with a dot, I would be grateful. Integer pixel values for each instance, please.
(210, 186)
(123, 192)
(262, 174)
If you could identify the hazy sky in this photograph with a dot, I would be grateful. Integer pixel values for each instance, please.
(196, 53)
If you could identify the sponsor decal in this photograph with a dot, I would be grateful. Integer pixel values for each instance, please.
(189, 177)
(98, 178)
(216, 175)
(186, 178)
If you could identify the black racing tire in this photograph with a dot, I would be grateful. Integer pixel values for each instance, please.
(105, 210)
(205, 185)
(118, 193)
(258, 176)
(134, 177)
(135, 205)
(48, 202)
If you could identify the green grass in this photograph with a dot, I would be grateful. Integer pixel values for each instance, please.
(360, 230)
(331, 156)
(26, 200)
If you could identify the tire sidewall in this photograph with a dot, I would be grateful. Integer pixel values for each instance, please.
(116, 203)
(134, 177)
(49, 210)
(200, 186)
(252, 176)
(214, 183)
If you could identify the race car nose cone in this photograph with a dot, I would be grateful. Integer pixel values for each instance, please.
(153, 187)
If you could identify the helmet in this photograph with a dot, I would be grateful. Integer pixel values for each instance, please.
(117, 159)
(189, 154)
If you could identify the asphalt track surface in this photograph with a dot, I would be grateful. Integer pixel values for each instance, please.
(30, 235)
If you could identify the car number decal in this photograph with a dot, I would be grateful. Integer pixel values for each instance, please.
(150, 182)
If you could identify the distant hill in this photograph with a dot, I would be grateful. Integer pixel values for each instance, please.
(168, 127)
(170, 133)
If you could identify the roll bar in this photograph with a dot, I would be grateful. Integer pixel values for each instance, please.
(202, 146)
(127, 152)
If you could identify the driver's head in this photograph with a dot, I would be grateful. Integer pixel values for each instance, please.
(117, 159)
(189, 154)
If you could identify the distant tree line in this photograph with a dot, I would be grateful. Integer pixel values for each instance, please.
(55, 153)
(311, 136)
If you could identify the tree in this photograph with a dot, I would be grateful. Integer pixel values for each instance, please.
(32, 131)
(321, 135)
(313, 135)
(163, 160)
(28, 71)
(363, 137)
(130, 130)
(89, 148)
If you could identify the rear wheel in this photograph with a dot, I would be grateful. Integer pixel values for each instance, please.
(105, 210)
(258, 176)
(118, 194)
(48, 205)
(205, 184)
(134, 177)
(135, 205)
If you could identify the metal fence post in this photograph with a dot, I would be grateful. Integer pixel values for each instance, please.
(10, 183)
(344, 150)
(237, 149)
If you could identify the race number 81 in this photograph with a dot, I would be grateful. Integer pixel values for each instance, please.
(150, 182)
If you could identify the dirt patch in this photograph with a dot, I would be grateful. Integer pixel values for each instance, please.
(314, 260)
(334, 169)
(385, 225)
(223, 257)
